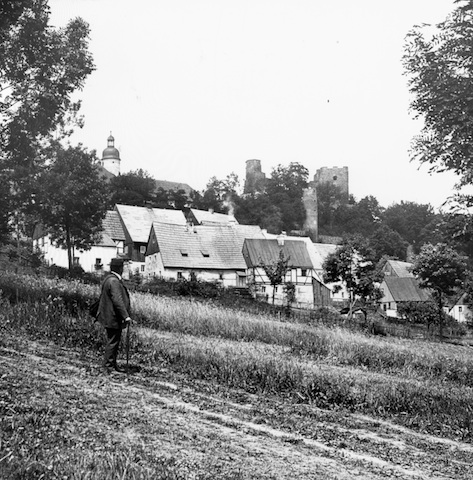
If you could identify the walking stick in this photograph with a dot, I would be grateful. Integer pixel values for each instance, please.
(127, 346)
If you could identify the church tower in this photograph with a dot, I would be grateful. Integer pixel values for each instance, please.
(111, 157)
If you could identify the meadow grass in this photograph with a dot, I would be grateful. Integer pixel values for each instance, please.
(335, 345)
(420, 383)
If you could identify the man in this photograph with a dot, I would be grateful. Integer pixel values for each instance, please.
(114, 313)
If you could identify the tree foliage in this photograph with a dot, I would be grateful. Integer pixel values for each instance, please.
(409, 219)
(73, 200)
(439, 63)
(40, 68)
(133, 188)
(354, 265)
(441, 269)
(386, 242)
(276, 270)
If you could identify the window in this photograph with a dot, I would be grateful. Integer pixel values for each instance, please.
(120, 246)
(275, 289)
(180, 276)
(143, 249)
(304, 272)
(142, 268)
(184, 253)
(205, 254)
(335, 178)
(460, 309)
(263, 289)
(75, 261)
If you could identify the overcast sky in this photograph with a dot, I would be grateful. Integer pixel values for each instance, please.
(191, 89)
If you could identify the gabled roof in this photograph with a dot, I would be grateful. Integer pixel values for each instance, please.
(406, 289)
(112, 226)
(212, 247)
(176, 186)
(106, 241)
(319, 252)
(205, 217)
(138, 220)
(399, 268)
(257, 251)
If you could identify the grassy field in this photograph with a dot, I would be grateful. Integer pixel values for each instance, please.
(421, 386)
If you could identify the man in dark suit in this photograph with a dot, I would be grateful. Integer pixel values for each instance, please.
(114, 313)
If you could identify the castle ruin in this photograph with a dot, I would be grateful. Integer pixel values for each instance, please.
(255, 181)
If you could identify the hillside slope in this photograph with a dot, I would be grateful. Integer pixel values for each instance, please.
(60, 418)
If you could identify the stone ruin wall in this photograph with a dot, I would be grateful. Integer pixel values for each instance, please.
(255, 180)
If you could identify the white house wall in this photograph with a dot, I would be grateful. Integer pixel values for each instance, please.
(154, 267)
(264, 290)
(461, 313)
(87, 258)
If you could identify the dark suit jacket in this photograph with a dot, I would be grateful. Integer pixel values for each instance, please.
(114, 302)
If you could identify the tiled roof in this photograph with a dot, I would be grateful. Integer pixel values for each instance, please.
(406, 289)
(266, 251)
(106, 241)
(203, 246)
(138, 220)
(112, 226)
(204, 217)
(400, 269)
(167, 185)
(319, 252)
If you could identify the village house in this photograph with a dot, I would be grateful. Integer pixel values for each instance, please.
(309, 289)
(207, 217)
(397, 268)
(461, 310)
(136, 223)
(211, 252)
(397, 290)
(110, 245)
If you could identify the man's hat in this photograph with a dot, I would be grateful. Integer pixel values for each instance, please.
(117, 262)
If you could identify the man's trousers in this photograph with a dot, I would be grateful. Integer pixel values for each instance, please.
(111, 346)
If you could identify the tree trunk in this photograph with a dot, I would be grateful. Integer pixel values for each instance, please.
(440, 315)
(69, 247)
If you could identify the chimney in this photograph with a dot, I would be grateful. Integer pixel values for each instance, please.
(281, 238)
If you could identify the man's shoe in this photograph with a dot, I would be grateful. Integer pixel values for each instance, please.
(119, 369)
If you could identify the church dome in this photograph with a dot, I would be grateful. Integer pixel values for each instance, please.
(110, 152)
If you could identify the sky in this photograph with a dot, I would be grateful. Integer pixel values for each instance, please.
(191, 89)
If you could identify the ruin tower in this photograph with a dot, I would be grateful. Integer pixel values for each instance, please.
(311, 224)
(255, 178)
(337, 176)
(111, 157)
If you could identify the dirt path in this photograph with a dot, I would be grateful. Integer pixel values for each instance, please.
(234, 433)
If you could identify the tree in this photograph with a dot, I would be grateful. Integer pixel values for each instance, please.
(258, 210)
(40, 68)
(73, 200)
(285, 190)
(219, 195)
(329, 199)
(439, 63)
(409, 219)
(133, 188)
(353, 264)
(386, 242)
(441, 269)
(276, 270)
